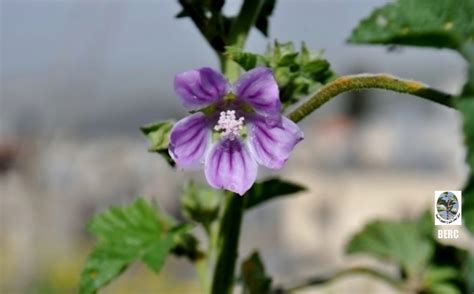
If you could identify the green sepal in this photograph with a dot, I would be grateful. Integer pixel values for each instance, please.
(158, 134)
(254, 277)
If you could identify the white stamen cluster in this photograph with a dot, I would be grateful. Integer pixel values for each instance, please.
(229, 125)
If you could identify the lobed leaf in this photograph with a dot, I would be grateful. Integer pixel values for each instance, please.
(124, 235)
(397, 242)
(440, 23)
(423, 262)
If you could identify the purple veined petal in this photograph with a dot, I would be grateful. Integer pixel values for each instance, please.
(230, 166)
(271, 146)
(258, 88)
(189, 139)
(200, 87)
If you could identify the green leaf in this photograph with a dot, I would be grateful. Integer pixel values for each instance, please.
(440, 23)
(442, 288)
(280, 50)
(158, 134)
(468, 273)
(468, 53)
(438, 275)
(270, 189)
(262, 19)
(397, 242)
(246, 60)
(126, 234)
(254, 277)
(102, 266)
(466, 107)
(201, 203)
(200, 7)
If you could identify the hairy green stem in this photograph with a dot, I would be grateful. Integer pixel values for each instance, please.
(238, 35)
(224, 235)
(223, 251)
(227, 244)
(202, 269)
(244, 22)
(368, 81)
(230, 68)
(396, 283)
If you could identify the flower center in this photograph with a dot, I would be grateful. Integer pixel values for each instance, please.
(229, 125)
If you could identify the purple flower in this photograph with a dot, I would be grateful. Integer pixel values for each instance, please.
(231, 131)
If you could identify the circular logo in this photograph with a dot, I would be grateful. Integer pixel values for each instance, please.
(447, 207)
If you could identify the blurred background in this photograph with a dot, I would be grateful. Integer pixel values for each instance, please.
(79, 77)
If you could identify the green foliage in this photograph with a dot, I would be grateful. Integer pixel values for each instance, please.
(126, 234)
(298, 73)
(158, 134)
(270, 189)
(207, 16)
(202, 6)
(254, 277)
(426, 265)
(262, 19)
(201, 203)
(245, 59)
(440, 23)
(393, 241)
(466, 106)
(468, 53)
(468, 273)
(221, 30)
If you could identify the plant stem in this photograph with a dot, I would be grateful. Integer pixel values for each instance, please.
(227, 244)
(368, 81)
(202, 268)
(244, 22)
(230, 68)
(396, 283)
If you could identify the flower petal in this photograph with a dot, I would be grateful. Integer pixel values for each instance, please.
(189, 138)
(230, 166)
(258, 88)
(200, 87)
(271, 146)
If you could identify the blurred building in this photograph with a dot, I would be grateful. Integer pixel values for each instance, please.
(78, 78)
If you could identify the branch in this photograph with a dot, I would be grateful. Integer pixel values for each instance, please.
(396, 283)
(368, 81)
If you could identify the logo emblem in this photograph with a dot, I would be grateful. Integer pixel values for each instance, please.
(447, 208)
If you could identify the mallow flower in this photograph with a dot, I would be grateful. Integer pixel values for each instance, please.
(231, 129)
